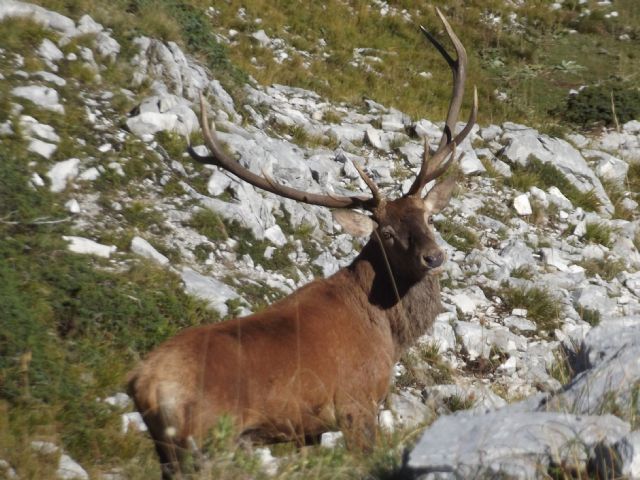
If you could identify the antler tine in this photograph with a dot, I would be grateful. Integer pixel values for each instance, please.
(459, 72)
(221, 159)
(370, 183)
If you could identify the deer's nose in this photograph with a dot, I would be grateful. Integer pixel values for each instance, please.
(434, 260)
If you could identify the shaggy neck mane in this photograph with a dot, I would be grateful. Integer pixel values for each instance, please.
(409, 306)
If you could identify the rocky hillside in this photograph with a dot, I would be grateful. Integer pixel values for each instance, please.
(112, 239)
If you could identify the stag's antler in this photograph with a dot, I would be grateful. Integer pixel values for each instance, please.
(223, 160)
(435, 166)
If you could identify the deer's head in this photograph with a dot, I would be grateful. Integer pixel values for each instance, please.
(402, 226)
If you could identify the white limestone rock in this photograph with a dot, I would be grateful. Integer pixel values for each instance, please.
(608, 167)
(509, 444)
(119, 400)
(628, 451)
(141, 247)
(213, 291)
(275, 235)
(31, 127)
(408, 410)
(62, 172)
(132, 421)
(89, 247)
(51, 77)
(69, 469)
(331, 439)
(40, 15)
(50, 53)
(44, 149)
(469, 300)
(44, 97)
(73, 206)
(521, 205)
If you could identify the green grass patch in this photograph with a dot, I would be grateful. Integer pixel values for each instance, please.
(542, 306)
(209, 224)
(457, 235)
(606, 268)
(544, 175)
(598, 232)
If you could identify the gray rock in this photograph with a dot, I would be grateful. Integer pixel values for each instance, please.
(516, 254)
(594, 298)
(44, 149)
(492, 132)
(50, 53)
(62, 172)
(480, 398)
(607, 166)
(520, 324)
(89, 247)
(213, 291)
(275, 235)
(31, 127)
(521, 205)
(609, 371)
(141, 247)
(43, 97)
(38, 14)
(328, 263)
(524, 143)
(69, 469)
(510, 444)
(7, 470)
(132, 421)
(51, 77)
(628, 451)
(469, 300)
(556, 197)
(331, 439)
(261, 37)
(106, 46)
(425, 128)
(164, 113)
(408, 410)
(443, 334)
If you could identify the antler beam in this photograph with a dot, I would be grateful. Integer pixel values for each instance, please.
(222, 159)
(437, 165)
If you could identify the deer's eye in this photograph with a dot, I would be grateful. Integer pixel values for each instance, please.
(387, 234)
(430, 220)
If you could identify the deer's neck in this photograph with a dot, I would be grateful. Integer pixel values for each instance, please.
(410, 307)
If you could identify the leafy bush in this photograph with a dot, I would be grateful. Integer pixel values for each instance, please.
(592, 105)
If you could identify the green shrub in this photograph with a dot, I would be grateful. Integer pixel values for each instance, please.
(592, 105)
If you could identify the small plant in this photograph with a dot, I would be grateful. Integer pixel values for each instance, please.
(561, 368)
(544, 175)
(542, 306)
(496, 211)
(331, 116)
(607, 268)
(598, 232)
(457, 235)
(209, 224)
(633, 177)
(525, 272)
(456, 403)
(592, 317)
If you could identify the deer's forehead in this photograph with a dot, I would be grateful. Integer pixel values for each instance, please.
(409, 212)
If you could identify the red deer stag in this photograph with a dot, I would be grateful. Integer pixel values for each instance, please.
(321, 358)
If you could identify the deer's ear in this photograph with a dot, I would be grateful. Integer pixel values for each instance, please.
(439, 196)
(354, 223)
